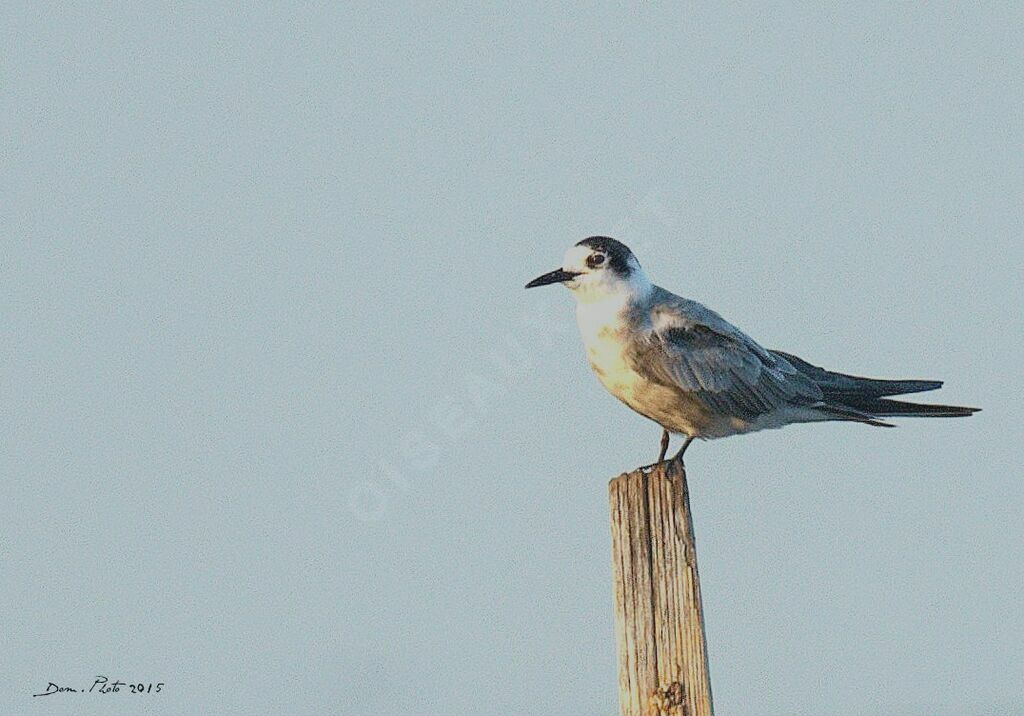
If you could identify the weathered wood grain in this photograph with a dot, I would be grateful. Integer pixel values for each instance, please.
(659, 621)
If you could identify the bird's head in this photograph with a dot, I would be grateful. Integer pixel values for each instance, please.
(596, 268)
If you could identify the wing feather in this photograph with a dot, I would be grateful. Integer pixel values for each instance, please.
(694, 349)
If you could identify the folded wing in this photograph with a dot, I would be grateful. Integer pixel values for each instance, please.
(696, 350)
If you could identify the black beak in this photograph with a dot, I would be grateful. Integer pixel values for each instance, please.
(556, 276)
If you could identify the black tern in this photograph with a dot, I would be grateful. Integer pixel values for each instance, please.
(683, 366)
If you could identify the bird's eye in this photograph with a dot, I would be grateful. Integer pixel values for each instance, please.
(595, 260)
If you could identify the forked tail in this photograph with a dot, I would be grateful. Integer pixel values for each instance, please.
(850, 397)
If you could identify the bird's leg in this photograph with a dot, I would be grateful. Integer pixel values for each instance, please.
(678, 457)
(661, 455)
(664, 446)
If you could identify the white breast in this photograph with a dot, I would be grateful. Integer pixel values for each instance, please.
(604, 332)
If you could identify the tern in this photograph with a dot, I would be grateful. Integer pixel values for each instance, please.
(685, 367)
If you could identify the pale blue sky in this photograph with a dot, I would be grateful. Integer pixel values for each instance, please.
(282, 430)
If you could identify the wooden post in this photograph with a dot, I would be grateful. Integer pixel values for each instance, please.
(659, 621)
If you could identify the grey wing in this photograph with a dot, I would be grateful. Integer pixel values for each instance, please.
(696, 350)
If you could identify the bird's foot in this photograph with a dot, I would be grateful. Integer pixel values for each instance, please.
(677, 459)
(661, 453)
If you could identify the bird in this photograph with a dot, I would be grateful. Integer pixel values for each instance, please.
(683, 366)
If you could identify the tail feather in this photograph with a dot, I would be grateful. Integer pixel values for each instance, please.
(849, 397)
(844, 412)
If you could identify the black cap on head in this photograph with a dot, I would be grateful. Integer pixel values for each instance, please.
(617, 252)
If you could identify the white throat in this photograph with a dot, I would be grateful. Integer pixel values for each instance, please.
(602, 307)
